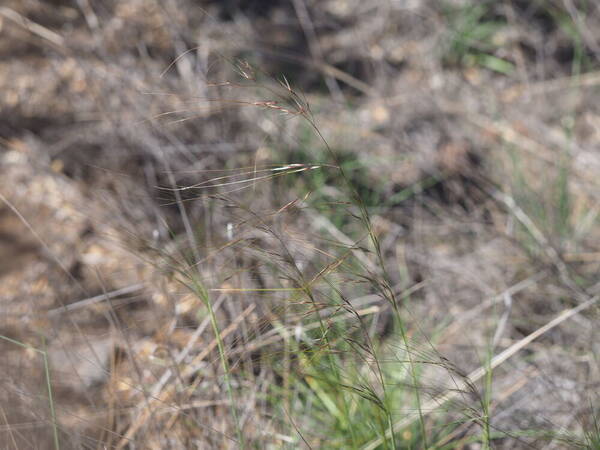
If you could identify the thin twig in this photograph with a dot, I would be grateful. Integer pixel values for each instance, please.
(80, 304)
(32, 27)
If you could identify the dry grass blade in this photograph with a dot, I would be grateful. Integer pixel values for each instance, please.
(33, 27)
(590, 79)
(80, 304)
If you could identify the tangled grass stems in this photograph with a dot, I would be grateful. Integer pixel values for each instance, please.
(44, 355)
(200, 290)
(289, 102)
(385, 289)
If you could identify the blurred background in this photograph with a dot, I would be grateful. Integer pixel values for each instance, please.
(366, 200)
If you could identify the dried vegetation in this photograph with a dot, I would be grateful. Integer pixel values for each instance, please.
(315, 224)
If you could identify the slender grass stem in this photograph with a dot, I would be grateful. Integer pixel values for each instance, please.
(386, 290)
(201, 291)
